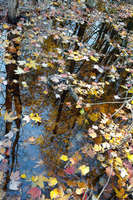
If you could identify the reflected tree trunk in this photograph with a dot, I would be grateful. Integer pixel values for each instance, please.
(12, 10)
(12, 104)
(80, 34)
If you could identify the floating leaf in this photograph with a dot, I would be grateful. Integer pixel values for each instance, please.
(35, 117)
(54, 193)
(92, 133)
(120, 193)
(131, 90)
(130, 157)
(70, 170)
(6, 26)
(97, 147)
(84, 169)
(35, 193)
(82, 111)
(79, 191)
(31, 64)
(118, 161)
(94, 116)
(64, 158)
(19, 70)
(14, 185)
(23, 176)
(93, 58)
(39, 180)
(52, 181)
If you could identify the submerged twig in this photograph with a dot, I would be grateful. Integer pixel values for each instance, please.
(105, 184)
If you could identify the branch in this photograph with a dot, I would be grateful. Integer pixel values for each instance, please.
(105, 184)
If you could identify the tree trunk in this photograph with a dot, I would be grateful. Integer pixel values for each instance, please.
(12, 10)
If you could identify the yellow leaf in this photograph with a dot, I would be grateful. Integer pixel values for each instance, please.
(130, 157)
(39, 180)
(93, 117)
(6, 26)
(34, 178)
(52, 181)
(54, 193)
(97, 147)
(45, 92)
(79, 191)
(93, 58)
(131, 90)
(64, 157)
(31, 64)
(35, 117)
(60, 70)
(84, 169)
(118, 161)
(120, 193)
(23, 176)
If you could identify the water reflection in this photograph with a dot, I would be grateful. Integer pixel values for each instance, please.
(63, 130)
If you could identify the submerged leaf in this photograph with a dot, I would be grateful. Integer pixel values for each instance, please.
(9, 116)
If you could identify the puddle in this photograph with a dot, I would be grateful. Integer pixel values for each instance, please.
(61, 82)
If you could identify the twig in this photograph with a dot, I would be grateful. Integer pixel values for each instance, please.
(105, 184)
(119, 109)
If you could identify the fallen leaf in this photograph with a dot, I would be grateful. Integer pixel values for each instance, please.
(84, 169)
(130, 157)
(23, 176)
(54, 193)
(35, 117)
(9, 116)
(52, 181)
(64, 158)
(19, 70)
(14, 185)
(93, 58)
(79, 191)
(70, 170)
(6, 26)
(35, 193)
